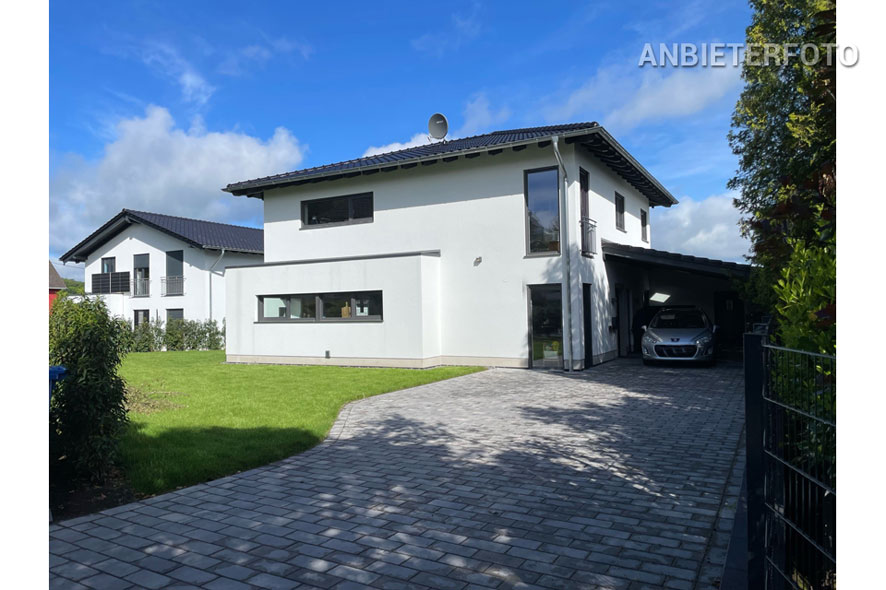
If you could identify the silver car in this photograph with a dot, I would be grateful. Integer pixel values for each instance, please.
(679, 334)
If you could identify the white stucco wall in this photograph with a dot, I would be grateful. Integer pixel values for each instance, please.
(473, 212)
(140, 239)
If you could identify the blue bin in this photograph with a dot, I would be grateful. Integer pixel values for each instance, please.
(56, 374)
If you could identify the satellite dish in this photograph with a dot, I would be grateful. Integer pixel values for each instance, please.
(438, 126)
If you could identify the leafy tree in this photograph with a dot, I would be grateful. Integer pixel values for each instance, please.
(784, 132)
(73, 287)
(87, 411)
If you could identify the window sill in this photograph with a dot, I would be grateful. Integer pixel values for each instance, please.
(336, 224)
(621, 229)
(173, 295)
(541, 255)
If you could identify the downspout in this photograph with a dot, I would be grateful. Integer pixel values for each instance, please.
(211, 268)
(567, 264)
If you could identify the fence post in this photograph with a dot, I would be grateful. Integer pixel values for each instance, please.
(753, 399)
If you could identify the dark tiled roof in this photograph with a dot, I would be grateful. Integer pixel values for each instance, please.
(55, 280)
(504, 137)
(202, 234)
(590, 135)
(683, 261)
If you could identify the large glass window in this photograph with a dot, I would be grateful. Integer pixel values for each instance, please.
(312, 307)
(543, 210)
(338, 210)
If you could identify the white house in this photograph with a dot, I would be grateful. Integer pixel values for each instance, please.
(148, 265)
(516, 248)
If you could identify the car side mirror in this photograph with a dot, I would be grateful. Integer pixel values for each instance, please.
(716, 327)
(643, 328)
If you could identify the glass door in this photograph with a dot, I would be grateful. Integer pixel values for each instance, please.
(545, 326)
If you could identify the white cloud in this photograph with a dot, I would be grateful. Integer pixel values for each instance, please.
(478, 117)
(240, 61)
(622, 98)
(415, 140)
(153, 165)
(168, 62)
(462, 29)
(707, 227)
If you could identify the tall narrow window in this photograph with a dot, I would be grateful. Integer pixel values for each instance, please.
(644, 222)
(109, 264)
(587, 236)
(619, 211)
(543, 210)
(174, 281)
(142, 275)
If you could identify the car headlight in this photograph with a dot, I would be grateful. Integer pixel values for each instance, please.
(650, 337)
(703, 341)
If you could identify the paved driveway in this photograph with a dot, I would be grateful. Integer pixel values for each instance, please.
(621, 477)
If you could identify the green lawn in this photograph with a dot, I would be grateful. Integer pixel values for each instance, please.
(195, 418)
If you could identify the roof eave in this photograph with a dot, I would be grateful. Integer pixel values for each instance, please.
(256, 188)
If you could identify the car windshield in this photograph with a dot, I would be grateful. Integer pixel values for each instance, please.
(679, 320)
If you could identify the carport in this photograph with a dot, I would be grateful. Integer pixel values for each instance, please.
(646, 280)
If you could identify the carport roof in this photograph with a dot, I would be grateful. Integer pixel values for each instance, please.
(648, 256)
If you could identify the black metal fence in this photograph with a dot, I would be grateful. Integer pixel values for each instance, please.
(791, 411)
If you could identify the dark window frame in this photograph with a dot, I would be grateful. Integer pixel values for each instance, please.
(135, 314)
(351, 219)
(168, 309)
(584, 192)
(540, 253)
(644, 225)
(619, 212)
(146, 278)
(318, 308)
(113, 260)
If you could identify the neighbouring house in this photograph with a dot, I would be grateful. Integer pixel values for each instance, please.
(161, 267)
(518, 248)
(56, 284)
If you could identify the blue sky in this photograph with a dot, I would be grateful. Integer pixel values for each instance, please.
(156, 106)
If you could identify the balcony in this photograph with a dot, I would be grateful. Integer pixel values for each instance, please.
(172, 286)
(141, 287)
(109, 282)
(588, 236)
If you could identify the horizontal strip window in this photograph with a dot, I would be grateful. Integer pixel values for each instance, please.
(337, 210)
(348, 306)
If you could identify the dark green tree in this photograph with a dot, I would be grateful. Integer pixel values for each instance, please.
(784, 133)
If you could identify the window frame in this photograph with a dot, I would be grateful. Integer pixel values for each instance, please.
(181, 309)
(620, 215)
(350, 221)
(318, 308)
(529, 253)
(644, 225)
(113, 260)
(136, 312)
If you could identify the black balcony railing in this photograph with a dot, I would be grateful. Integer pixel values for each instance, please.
(588, 236)
(110, 282)
(172, 286)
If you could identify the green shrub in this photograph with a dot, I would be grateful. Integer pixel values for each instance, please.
(174, 335)
(148, 336)
(87, 412)
(215, 338)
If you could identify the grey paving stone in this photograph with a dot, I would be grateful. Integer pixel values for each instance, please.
(105, 582)
(621, 476)
(273, 582)
(148, 579)
(235, 572)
